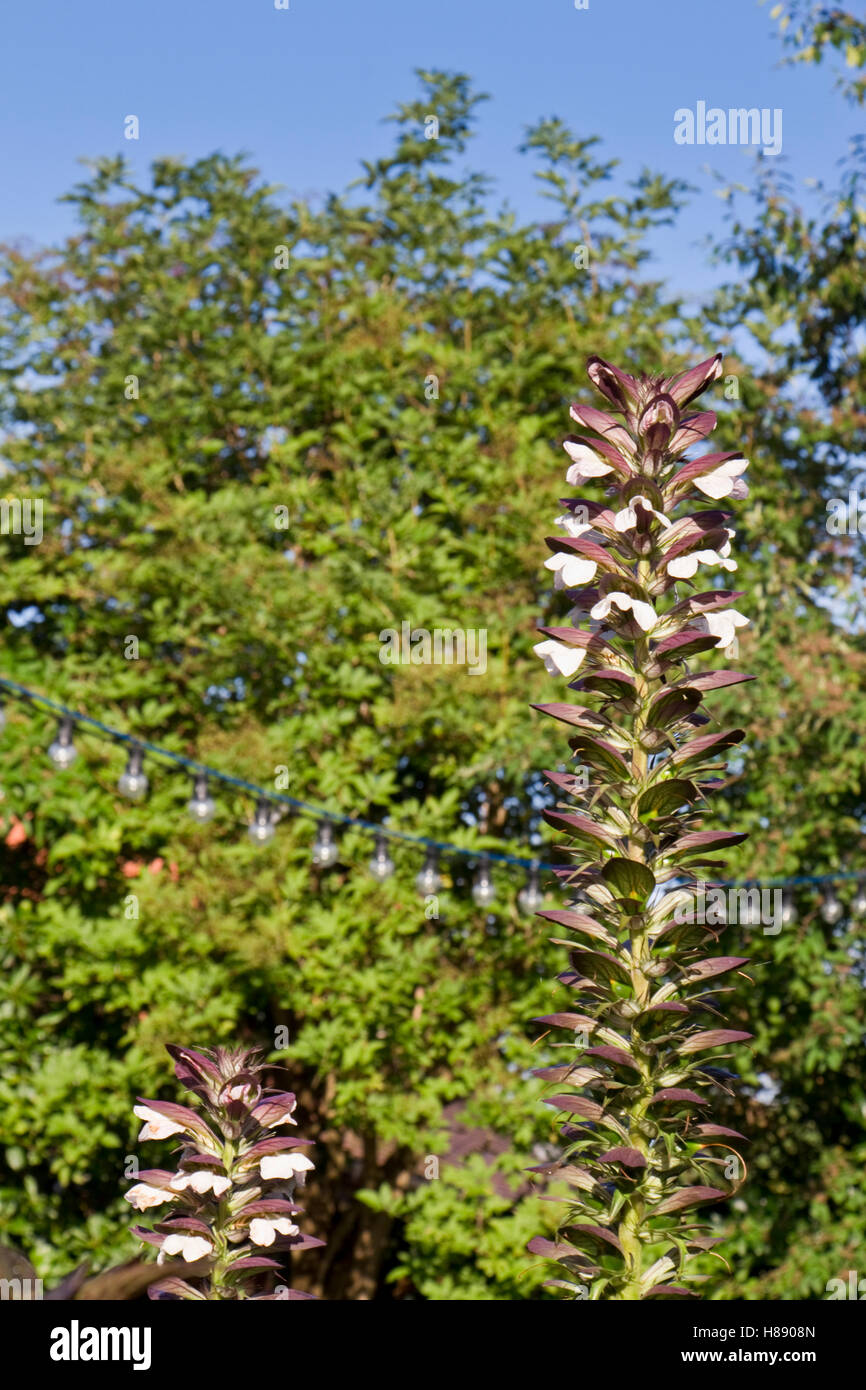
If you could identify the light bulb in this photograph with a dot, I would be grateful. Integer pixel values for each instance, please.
(381, 866)
(325, 847)
(261, 827)
(429, 880)
(63, 751)
(530, 897)
(789, 910)
(201, 804)
(858, 902)
(831, 910)
(483, 887)
(133, 782)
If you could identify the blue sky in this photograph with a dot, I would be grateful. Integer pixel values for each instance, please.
(303, 91)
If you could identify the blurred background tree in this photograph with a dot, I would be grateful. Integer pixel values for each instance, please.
(796, 312)
(394, 370)
(169, 384)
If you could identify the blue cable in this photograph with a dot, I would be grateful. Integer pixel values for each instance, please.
(321, 813)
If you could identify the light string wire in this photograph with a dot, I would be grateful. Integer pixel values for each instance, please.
(322, 814)
(319, 813)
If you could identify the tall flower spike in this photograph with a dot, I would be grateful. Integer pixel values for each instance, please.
(232, 1197)
(638, 1151)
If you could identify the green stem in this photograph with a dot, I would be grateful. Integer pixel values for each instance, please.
(634, 1207)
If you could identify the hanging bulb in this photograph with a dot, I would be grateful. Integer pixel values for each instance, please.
(858, 903)
(831, 909)
(429, 880)
(483, 887)
(63, 751)
(261, 827)
(381, 866)
(325, 847)
(133, 782)
(530, 897)
(201, 804)
(789, 910)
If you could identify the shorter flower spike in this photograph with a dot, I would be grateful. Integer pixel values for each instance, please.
(235, 1180)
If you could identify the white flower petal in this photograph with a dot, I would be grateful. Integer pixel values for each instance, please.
(600, 609)
(284, 1165)
(156, 1126)
(572, 526)
(585, 463)
(576, 571)
(189, 1248)
(201, 1182)
(626, 519)
(143, 1196)
(559, 660)
(570, 570)
(715, 485)
(644, 614)
(723, 625)
(683, 567)
(723, 480)
(264, 1230)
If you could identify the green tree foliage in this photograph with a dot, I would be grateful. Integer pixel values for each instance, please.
(391, 369)
(810, 31)
(197, 364)
(795, 309)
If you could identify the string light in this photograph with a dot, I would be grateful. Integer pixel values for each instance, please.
(261, 827)
(133, 782)
(381, 866)
(325, 848)
(62, 751)
(831, 909)
(429, 880)
(319, 813)
(789, 910)
(530, 898)
(483, 887)
(201, 804)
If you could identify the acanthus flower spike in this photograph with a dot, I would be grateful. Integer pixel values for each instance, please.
(231, 1193)
(643, 969)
